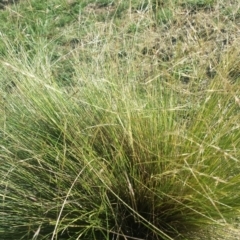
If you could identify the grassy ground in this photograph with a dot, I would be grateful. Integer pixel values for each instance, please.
(119, 119)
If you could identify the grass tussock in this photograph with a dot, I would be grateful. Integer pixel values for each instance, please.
(109, 132)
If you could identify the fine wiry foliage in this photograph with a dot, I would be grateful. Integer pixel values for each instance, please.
(108, 142)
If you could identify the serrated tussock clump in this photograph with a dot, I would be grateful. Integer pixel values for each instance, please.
(111, 139)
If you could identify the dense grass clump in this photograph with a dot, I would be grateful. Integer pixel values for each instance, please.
(102, 138)
(117, 160)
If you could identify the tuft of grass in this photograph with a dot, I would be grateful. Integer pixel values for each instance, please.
(117, 159)
(163, 16)
(115, 129)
